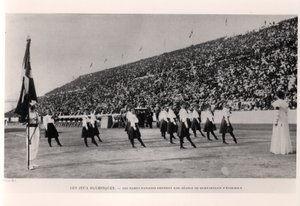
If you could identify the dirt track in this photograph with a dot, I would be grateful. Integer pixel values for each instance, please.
(114, 158)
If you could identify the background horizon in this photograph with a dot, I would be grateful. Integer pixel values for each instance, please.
(66, 46)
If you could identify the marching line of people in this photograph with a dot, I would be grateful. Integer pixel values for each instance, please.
(169, 122)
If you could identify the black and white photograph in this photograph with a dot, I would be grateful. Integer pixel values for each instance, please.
(150, 96)
(140, 102)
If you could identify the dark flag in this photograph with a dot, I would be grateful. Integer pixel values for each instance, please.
(27, 90)
(91, 65)
(191, 34)
(105, 60)
(226, 22)
(141, 49)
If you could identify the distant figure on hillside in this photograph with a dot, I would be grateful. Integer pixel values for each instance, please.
(51, 132)
(281, 141)
(226, 126)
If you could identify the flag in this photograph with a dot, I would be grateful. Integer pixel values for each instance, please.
(91, 65)
(122, 56)
(105, 60)
(141, 49)
(191, 34)
(226, 22)
(27, 90)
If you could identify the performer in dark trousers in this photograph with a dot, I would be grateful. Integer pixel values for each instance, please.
(133, 128)
(209, 126)
(93, 121)
(196, 120)
(183, 128)
(163, 120)
(87, 130)
(172, 126)
(226, 126)
(51, 131)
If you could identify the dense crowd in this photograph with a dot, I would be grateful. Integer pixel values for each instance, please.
(245, 70)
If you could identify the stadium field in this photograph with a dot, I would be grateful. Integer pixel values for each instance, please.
(115, 158)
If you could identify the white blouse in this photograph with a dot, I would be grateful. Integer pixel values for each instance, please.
(46, 120)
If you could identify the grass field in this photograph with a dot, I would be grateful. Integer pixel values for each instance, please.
(115, 158)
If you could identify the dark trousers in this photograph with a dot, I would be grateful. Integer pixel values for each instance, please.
(232, 135)
(93, 141)
(212, 132)
(188, 138)
(56, 139)
(139, 139)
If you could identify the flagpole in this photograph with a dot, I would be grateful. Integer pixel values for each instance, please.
(28, 119)
(28, 138)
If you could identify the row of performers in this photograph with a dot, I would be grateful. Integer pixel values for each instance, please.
(168, 122)
(181, 124)
(89, 128)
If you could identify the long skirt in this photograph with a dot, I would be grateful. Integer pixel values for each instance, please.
(51, 131)
(182, 131)
(195, 125)
(189, 122)
(209, 126)
(171, 128)
(34, 136)
(95, 129)
(225, 127)
(281, 141)
(163, 126)
(87, 132)
(134, 134)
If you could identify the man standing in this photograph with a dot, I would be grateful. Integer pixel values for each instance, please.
(33, 130)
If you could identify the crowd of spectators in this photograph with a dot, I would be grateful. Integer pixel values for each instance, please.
(245, 70)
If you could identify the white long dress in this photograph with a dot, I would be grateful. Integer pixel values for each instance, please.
(34, 135)
(281, 141)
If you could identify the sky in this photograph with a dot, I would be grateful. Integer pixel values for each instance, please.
(65, 46)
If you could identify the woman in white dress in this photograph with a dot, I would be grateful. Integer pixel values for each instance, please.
(281, 141)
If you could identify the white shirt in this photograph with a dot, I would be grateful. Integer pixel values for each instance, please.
(85, 120)
(163, 115)
(183, 116)
(226, 112)
(195, 114)
(128, 114)
(133, 120)
(93, 118)
(210, 116)
(171, 115)
(281, 115)
(190, 115)
(46, 120)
